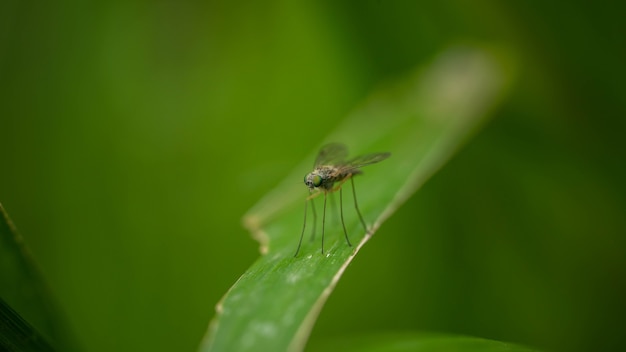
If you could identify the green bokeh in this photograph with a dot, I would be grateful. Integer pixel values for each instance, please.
(134, 135)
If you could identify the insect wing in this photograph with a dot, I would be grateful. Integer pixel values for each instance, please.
(332, 154)
(364, 160)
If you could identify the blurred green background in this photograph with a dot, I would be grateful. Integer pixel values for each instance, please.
(134, 135)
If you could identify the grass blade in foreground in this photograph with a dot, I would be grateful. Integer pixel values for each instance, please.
(421, 121)
(29, 317)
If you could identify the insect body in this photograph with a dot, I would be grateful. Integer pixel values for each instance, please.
(331, 170)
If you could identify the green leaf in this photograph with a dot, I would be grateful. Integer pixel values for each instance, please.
(422, 120)
(29, 318)
(18, 335)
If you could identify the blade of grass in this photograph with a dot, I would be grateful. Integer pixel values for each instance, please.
(421, 120)
(17, 335)
(30, 319)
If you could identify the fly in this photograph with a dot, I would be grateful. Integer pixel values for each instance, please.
(330, 171)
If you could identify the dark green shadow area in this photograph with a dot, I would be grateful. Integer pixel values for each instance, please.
(412, 342)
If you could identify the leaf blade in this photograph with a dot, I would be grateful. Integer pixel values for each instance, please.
(30, 317)
(421, 121)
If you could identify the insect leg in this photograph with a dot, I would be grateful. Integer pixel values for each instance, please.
(356, 206)
(303, 227)
(345, 232)
(332, 207)
(314, 220)
(323, 222)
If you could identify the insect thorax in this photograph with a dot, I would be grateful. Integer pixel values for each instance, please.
(326, 176)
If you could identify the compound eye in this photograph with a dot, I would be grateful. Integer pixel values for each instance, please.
(317, 180)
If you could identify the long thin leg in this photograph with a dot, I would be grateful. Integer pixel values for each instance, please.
(323, 222)
(303, 227)
(314, 220)
(332, 207)
(345, 232)
(356, 206)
